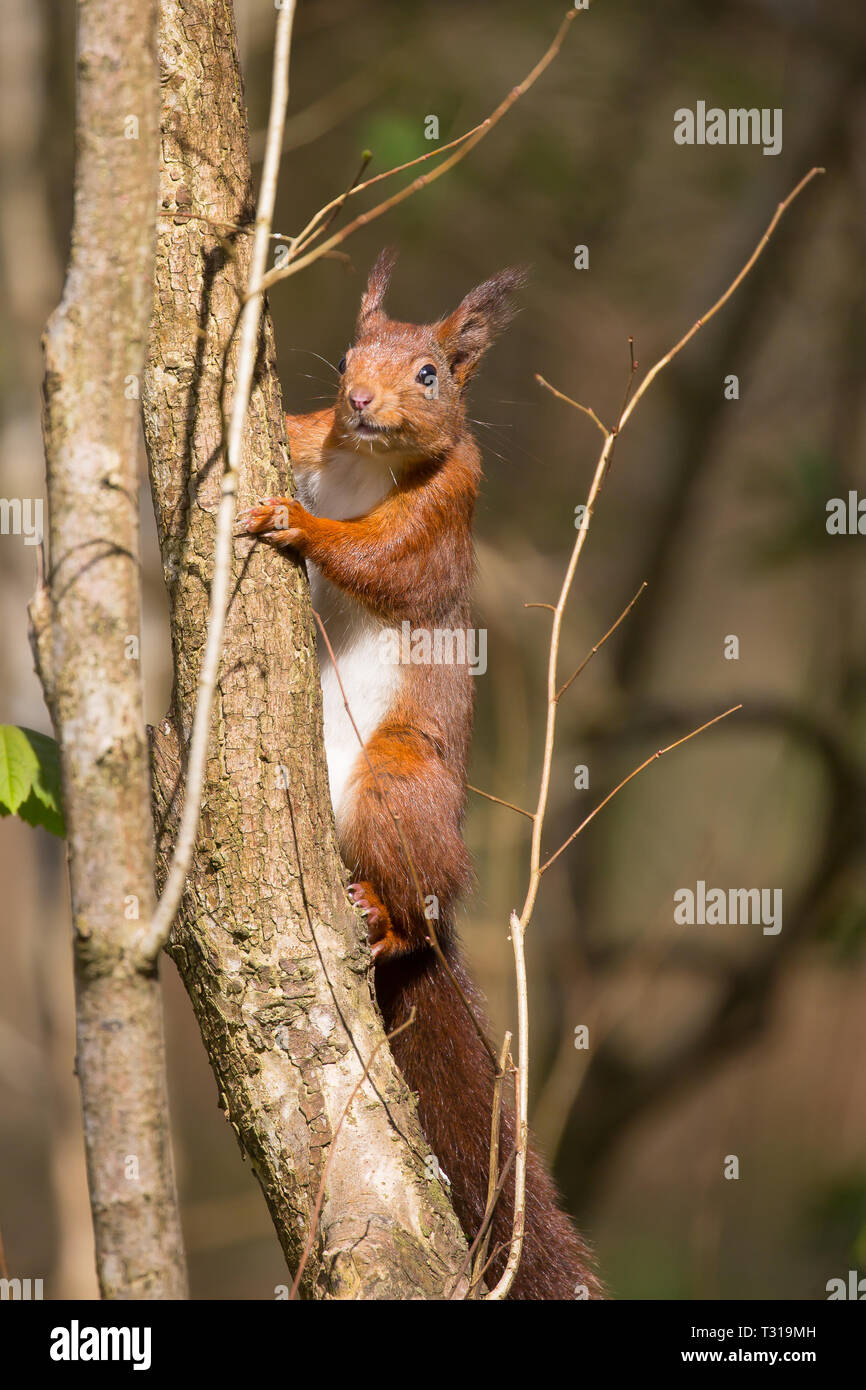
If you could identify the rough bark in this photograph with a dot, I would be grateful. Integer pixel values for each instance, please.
(272, 956)
(94, 355)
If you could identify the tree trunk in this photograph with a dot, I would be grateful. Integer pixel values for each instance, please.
(272, 956)
(86, 627)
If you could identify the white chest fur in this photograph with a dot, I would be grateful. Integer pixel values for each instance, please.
(348, 485)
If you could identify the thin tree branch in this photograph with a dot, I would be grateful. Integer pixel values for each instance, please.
(586, 409)
(474, 1288)
(625, 781)
(335, 207)
(630, 382)
(552, 701)
(722, 300)
(313, 227)
(536, 868)
(591, 653)
(466, 144)
(602, 466)
(503, 1285)
(494, 1178)
(498, 799)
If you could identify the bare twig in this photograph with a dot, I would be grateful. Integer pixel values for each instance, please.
(591, 653)
(625, 781)
(498, 799)
(336, 206)
(494, 1255)
(320, 1195)
(536, 868)
(521, 1118)
(474, 1289)
(466, 143)
(722, 300)
(156, 933)
(597, 481)
(630, 382)
(586, 409)
(493, 1180)
(313, 227)
(552, 687)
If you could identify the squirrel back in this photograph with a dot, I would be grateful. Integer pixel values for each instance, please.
(387, 483)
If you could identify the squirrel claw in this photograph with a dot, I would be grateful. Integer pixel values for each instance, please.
(361, 895)
(273, 514)
(272, 520)
(381, 936)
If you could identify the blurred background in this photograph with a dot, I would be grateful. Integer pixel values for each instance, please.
(706, 1042)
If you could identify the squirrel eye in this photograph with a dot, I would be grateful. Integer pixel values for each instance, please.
(427, 374)
(341, 365)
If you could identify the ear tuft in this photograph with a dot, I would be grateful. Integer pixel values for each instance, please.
(377, 285)
(466, 334)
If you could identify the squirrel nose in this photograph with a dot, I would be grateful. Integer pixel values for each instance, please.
(359, 400)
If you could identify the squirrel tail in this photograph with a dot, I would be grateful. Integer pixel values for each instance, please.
(443, 1059)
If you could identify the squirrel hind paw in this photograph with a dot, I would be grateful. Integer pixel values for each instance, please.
(383, 939)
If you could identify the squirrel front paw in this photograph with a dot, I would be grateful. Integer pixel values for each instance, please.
(384, 940)
(277, 519)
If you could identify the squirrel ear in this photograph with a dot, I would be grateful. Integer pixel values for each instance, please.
(377, 284)
(466, 334)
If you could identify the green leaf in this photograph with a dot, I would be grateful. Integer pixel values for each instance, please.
(30, 778)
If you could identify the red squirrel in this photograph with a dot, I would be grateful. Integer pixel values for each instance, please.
(387, 480)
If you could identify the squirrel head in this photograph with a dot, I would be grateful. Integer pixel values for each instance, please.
(402, 385)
